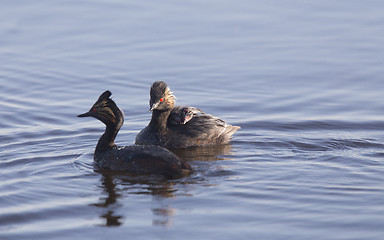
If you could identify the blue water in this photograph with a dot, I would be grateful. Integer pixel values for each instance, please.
(303, 79)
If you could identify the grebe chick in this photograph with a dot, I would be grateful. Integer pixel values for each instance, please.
(182, 114)
(201, 130)
(133, 159)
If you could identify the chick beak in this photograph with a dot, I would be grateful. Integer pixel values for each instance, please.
(186, 119)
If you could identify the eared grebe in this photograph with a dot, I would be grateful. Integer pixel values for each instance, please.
(134, 159)
(174, 132)
(182, 114)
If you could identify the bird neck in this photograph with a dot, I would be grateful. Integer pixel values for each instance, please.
(159, 119)
(107, 140)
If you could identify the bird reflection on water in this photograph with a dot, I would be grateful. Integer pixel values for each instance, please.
(116, 186)
(208, 153)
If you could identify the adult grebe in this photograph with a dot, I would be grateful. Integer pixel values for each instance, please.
(134, 159)
(201, 130)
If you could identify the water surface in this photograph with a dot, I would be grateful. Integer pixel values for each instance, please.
(304, 80)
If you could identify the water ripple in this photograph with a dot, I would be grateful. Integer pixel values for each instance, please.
(313, 125)
(302, 79)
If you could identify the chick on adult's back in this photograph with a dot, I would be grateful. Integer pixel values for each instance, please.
(134, 159)
(183, 114)
(200, 130)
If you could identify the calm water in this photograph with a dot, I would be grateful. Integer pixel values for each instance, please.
(303, 80)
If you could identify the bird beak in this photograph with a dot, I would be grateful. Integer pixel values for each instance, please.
(154, 106)
(87, 114)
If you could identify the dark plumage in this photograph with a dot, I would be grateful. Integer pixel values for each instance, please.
(134, 159)
(165, 130)
(182, 114)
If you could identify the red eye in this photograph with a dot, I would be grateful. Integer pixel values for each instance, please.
(161, 99)
(94, 110)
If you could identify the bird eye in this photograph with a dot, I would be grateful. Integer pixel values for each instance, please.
(94, 110)
(161, 99)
